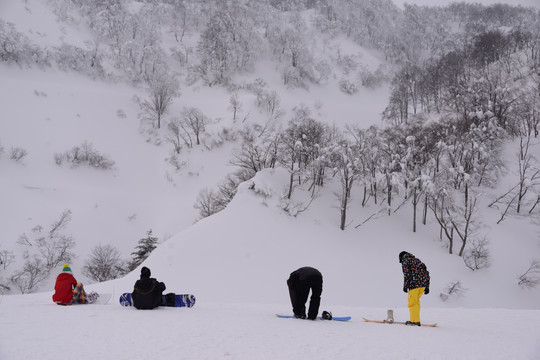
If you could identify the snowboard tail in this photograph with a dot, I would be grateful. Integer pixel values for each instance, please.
(177, 300)
(396, 322)
(334, 318)
(102, 299)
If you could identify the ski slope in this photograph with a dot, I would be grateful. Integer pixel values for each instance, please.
(39, 329)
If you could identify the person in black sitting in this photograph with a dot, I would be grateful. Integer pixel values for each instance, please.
(300, 282)
(147, 292)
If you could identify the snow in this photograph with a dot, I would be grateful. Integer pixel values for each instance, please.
(235, 262)
(401, 3)
(213, 330)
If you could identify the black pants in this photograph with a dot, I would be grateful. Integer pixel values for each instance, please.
(299, 286)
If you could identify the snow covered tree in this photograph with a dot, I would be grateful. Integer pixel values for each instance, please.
(300, 147)
(228, 44)
(143, 250)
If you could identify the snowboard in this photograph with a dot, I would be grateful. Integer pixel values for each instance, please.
(336, 318)
(397, 322)
(93, 298)
(103, 299)
(180, 300)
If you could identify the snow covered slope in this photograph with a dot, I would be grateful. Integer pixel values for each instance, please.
(39, 329)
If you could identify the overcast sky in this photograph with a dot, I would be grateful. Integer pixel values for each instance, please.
(535, 3)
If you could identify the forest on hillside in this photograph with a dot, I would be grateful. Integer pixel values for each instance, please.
(464, 80)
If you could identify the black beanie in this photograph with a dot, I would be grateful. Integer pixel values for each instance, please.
(145, 272)
(401, 255)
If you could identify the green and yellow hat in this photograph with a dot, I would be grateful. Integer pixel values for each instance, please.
(66, 269)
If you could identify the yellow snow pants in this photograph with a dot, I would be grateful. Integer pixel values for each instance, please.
(414, 303)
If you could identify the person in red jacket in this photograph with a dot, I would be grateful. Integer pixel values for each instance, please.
(68, 291)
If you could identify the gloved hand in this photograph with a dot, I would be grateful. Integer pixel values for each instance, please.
(426, 291)
(405, 289)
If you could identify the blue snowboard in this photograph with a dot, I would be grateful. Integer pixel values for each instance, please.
(336, 318)
(180, 300)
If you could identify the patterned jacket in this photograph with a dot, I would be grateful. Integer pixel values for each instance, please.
(415, 273)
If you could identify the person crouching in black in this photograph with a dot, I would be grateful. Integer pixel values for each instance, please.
(300, 282)
(147, 292)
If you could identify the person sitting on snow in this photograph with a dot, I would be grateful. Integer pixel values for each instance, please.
(68, 291)
(416, 282)
(147, 292)
(299, 283)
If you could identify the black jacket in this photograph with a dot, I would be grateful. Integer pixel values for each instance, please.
(147, 293)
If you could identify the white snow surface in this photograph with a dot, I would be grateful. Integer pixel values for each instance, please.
(38, 329)
(237, 261)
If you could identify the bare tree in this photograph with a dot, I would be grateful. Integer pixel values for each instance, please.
(6, 259)
(43, 251)
(440, 203)
(194, 120)
(207, 203)
(477, 256)
(175, 135)
(528, 184)
(464, 224)
(85, 154)
(30, 276)
(210, 202)
(453, 289)
(235, 105)
(17, 154)
(161, 91)
(104, 264)
(345, 165)
(531, 277)
(529, 175)
(54, 247)
(255, 154)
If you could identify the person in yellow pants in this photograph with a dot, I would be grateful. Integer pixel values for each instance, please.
(416, 282)
(414, 304)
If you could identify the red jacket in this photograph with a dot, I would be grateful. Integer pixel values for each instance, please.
(63, 289)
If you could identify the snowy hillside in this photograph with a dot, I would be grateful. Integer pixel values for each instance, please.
(238, 273)
(74, 79)
(50, 112)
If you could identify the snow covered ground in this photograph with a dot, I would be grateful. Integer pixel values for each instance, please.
(235, 262)
(35, 328)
